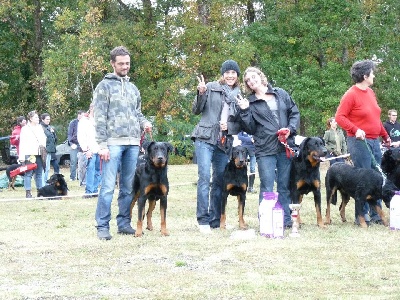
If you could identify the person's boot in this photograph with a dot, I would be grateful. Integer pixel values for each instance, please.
(251, 184)
(28, 194)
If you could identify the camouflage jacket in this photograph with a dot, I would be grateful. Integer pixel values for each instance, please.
(117, 112)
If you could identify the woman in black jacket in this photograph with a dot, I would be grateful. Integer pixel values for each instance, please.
(51, 143)
(266, 111)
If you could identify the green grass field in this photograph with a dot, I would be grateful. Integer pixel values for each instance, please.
(49, 250)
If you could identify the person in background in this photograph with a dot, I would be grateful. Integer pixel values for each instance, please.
(213, 140)
(31, 138)
(359, 114)
(15, 135)
(51, 142)
(81, 157)
(90, 148)
(267, 110)
(119, 123)
(392, 127)
(335, 141)
(73, 142)
(248, 142)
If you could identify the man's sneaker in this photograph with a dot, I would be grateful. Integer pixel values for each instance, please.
(206, 229)
(104, 234)
(126, 230)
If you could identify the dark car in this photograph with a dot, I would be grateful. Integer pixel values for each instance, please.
(62, 153)
(8, 152)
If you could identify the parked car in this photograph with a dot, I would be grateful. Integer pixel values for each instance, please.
(8, 153)
(62, 153)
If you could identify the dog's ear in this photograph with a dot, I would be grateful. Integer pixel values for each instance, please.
(147, 145)
(388, 191)
(303, 148)
(169, 146)
(387, 163)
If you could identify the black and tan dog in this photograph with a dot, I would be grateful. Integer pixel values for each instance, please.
(11, 179)
(151, 182)
(364, 185)
(305, 175)
(56, 187)
(391, 165)
(235, 184)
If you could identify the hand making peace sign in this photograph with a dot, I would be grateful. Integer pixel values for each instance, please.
(201, 87)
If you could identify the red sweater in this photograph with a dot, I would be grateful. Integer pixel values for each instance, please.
(14, 139)
(359, 109)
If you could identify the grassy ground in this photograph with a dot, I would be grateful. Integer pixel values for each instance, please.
(49, 250)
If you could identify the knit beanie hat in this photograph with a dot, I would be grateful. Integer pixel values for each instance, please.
(230, 65)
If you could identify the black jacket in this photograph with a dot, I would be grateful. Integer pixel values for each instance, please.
(259, 121)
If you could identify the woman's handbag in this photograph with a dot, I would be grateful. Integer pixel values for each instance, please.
(43, 154)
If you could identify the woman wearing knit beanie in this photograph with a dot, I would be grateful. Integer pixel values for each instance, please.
(216, 102)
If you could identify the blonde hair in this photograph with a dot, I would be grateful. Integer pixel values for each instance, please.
(31, 114)
(264, 79)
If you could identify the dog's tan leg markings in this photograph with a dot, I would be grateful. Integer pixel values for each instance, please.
(164, 231)
(222, 224)
(328, 207)
(317, 184)
(342, 207)
(242, 223)
(133, 203)
(139, 227)
(381, 214)
(363, 224)
(319, 217)
(152, 205)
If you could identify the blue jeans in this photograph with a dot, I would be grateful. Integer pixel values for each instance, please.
(209, 202)
(73, 162)
(82, 163)
(38, 174)
(127, 157)
(266, 170)
(45, 174)
(93, 176)
(360, 155)
(252, 164)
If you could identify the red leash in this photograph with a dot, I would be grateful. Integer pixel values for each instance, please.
(282, 138)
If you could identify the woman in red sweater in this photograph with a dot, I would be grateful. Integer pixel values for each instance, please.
(14, 139)
(359, 114)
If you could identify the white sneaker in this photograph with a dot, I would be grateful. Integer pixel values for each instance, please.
(206, 229)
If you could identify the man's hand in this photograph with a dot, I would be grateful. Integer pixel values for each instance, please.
(104, 154)
(148, 127)
(387, 141)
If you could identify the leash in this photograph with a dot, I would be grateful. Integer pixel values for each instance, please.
(282, 139)
(334, 157)
(143, 137)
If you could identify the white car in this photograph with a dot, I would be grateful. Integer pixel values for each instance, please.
(62, 153)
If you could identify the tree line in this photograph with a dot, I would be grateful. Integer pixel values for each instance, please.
(53, 53)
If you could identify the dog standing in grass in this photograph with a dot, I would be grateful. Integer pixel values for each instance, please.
(235, 184)
(151, 183)
(364, 185)
(305, 174)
